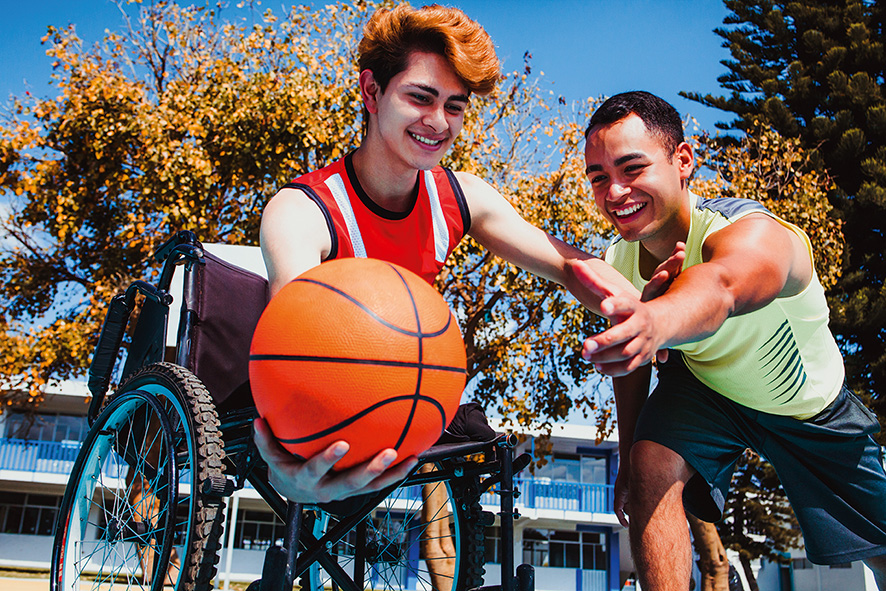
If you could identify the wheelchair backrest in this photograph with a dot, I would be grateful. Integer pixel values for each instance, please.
(227, 301)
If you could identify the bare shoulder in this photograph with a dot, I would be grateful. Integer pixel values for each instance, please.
(294, 236)
(290, 202)
(769, 246)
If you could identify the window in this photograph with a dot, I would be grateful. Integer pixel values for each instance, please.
(565, 549)
(493, 545)
(535, 547)
(575, 468)
(593, 470)
(257, 530)
(46, 427)
(25, 513)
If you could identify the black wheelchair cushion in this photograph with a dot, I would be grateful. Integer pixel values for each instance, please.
(468, 424)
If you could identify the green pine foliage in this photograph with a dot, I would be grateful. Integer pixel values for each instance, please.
(816, 70)
(757, 520)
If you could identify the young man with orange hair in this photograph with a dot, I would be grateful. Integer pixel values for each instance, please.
(390, 199)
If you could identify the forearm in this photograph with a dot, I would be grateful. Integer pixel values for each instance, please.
(694, 307)
(631, 392)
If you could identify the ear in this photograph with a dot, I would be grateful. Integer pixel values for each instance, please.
(685, 158)
(369, 90)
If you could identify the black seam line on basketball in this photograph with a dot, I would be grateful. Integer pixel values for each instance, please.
(418, 375)
(373, 314)
(382, 362)
(363, 413)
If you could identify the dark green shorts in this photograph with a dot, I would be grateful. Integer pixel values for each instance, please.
(829, 465)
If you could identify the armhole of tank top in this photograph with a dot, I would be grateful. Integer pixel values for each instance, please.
(330, 225)
(460, 199)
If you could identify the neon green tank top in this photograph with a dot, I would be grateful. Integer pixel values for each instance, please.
(780, 359)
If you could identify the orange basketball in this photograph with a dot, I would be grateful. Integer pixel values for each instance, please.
(360, 350)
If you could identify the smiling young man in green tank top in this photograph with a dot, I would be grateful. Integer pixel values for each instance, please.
(755, 364)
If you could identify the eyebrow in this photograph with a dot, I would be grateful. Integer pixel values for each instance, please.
(618, 162)
(436, 93)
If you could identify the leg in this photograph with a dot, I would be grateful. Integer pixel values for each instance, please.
(878, 565)
(658, 529)
(437, 547)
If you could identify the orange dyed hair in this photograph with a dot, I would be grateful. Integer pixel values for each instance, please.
(392, 34)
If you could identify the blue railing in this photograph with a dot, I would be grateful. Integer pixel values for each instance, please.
(535, 493)
(38, 456)
(543, 493)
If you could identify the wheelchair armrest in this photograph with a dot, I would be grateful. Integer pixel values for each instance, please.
(450, 450)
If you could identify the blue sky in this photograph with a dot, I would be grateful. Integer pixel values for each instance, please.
(584, 47)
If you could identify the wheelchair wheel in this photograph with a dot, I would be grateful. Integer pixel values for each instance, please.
(408, 544)
(134, 515)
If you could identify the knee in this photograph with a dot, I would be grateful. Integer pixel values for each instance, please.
(877, 564)
(656, 472)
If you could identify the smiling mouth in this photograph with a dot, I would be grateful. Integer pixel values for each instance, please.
(623, 213)
(424, 140)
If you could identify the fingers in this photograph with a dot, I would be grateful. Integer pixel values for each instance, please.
(369, 476)
(622, 516)
(591, 280)
(394, 475)
(268, 446)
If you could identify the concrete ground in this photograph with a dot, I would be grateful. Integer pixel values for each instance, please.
(16, 584)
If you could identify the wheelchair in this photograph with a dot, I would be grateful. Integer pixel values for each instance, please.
(145, 504)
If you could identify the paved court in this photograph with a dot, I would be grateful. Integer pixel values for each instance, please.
(11, 584)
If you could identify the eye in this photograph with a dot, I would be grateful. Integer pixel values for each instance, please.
(596, 179)
(634, 168)
(455, 108)
(420, 98)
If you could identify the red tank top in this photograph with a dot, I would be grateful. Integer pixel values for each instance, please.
(419, 239)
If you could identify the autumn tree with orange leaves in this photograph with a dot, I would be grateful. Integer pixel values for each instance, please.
(187, 119)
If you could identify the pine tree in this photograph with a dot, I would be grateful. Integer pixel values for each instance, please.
(757, 520)
(816, 70)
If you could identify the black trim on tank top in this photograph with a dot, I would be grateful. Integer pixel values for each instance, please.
(330, 225)
(372, 205)
(460, 199)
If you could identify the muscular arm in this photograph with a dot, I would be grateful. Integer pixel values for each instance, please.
(497, 226)
(294, 237)
(746, 266)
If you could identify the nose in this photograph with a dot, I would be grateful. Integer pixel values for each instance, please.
(436, 119)
(617, 190)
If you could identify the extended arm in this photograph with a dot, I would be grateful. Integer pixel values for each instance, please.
(746, 266)
(497, 226)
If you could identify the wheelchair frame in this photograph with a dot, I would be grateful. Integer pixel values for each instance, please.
(157, 426)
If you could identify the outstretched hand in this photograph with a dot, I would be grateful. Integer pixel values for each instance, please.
(665, 274)
(314, 481)
(632, 340)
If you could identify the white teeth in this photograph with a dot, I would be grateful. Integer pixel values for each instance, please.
(425, 140)
(629, 210)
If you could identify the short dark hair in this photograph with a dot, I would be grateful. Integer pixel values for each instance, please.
(659, 116)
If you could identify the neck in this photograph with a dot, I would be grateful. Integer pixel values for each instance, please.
(389, 186)
(656, 249)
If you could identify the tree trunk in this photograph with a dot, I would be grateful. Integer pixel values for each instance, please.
(712, 561)
(748, 573)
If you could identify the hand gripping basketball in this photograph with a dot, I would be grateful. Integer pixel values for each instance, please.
(359, 350)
